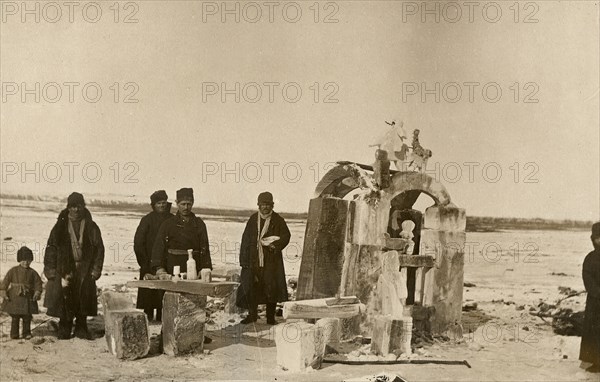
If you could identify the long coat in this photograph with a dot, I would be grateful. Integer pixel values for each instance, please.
(590, 339)
(274, 287)
(79, 298)
(175, 234)
(142, 245)
(21, 283)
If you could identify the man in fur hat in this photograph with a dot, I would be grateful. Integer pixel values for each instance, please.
(72, 263)
(262, 280)
(179, 233)
(150, 299)
(590, 338)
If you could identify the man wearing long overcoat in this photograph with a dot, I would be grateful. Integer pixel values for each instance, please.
(147, 230)
(590, 338)
(262, 280)
(72, 263)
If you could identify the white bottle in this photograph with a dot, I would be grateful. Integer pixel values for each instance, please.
(192, 274)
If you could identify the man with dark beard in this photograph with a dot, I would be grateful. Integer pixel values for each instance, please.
(263, 274)
(72, 263)
(150, 299)
(590, 338)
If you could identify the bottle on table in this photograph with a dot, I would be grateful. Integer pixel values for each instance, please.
(192, 274)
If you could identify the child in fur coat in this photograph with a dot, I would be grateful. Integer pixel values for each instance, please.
(21, 289)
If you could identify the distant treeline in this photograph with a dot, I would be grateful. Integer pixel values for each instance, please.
(474, 223)
(487, 224)
(125, 206)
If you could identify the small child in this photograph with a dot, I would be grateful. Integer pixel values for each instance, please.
(21, 289)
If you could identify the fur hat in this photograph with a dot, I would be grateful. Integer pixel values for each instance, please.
(596, 230)
(24, 253)
(157, 196)
(185, 193)
(75, 199)
(265, 198)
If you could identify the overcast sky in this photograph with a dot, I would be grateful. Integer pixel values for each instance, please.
(530, 151)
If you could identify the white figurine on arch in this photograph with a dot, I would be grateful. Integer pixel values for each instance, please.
(407, 233)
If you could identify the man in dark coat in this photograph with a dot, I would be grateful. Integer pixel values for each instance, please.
(72, 263)
(262, 279)
(590, 338)
(179, 233)
(150, 299)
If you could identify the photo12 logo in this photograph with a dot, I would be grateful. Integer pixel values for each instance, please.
(482, 252)
(470, 12)
(222, 251)
(482, 172)
(252, 12)
(69, 172)
(52, 12)
(269, 92)
(10, 248)
(469, 91)
(492, 332)
(254, 172)
(68, 92)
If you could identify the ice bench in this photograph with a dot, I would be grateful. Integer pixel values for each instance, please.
(126, 328)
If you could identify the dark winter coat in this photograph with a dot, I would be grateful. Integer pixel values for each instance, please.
(20, 284)
(272, 286)
(143, 243)
(176, 234)
(590, 339)
(79, 298)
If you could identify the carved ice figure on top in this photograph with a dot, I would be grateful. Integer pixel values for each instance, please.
(419, 155)
(393, 143)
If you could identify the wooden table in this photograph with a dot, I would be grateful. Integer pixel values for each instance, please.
(213, 289)
(183, 312)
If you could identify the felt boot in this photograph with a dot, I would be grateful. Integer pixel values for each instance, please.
(27, 327)
(14, 327)
(81, 329)
(252, 316)
(271, 313)
(65, 326)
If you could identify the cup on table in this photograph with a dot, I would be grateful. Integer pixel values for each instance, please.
(176, 270)
(205, 275)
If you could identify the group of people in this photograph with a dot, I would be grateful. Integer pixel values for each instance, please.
(74, 259)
